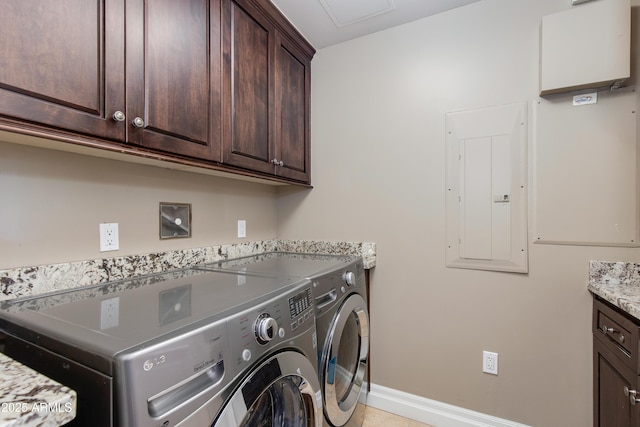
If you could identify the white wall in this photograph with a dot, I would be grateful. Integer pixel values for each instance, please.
(378, 152)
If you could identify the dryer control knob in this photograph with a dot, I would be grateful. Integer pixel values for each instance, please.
(349, 278)
(266, 328)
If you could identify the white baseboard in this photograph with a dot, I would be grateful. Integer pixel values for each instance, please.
(429, 411)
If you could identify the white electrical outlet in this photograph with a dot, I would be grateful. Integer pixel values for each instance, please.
(242, 228)
(109, 313)
(490, 362)
(109, 240)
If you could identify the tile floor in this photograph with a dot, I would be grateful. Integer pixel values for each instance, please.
(367, 416)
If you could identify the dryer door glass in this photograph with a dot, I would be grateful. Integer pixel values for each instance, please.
(348, 355)
(344, 359)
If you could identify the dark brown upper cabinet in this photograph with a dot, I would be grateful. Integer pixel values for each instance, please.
(268, 84)
(174, 76)
(293, 103)
(62, 64)
(215, 84)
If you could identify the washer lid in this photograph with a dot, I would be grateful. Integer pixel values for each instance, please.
(107, 319)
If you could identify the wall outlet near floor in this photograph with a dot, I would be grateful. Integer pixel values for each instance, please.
(109, 240)
(490, 362)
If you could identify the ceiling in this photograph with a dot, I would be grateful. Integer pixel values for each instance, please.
(328, 22)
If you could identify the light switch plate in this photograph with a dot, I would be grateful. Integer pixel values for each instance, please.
(175, 220)
(242, 228)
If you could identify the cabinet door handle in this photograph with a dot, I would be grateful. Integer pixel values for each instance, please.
(277, 162)
(138, 122)
(606, 330)
(118, 116)
(632, 395)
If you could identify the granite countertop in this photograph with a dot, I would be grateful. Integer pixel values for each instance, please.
(617, 283)
(28, 398)
(33, 280)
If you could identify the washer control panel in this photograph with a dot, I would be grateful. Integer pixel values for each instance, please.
(300, 303)
(258, 330)
(266, 328)
(300, 308)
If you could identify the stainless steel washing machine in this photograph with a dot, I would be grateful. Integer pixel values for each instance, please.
(187, 348)
(342, 319)
(289, 266)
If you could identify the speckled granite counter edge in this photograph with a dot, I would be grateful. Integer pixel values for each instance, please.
(28, 398)
(617, 283)
(26, 281)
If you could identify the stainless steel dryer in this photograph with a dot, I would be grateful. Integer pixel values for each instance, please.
(342, 319)
(187, 348)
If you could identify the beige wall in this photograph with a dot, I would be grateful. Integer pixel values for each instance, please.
(378, 152)
(52, 202)
(378, 111)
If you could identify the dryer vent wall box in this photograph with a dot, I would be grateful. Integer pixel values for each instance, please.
(586, 46)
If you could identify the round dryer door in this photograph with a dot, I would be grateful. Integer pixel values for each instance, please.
(344, 359)
(283, 391)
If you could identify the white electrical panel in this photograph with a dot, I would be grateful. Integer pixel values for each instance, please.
(485, 192)
(486, 203)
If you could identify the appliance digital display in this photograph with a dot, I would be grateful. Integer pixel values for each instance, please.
(299, 303)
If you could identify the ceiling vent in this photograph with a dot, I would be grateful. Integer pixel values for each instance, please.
(345, 13)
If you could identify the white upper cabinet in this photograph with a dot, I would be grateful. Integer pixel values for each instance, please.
(587, 46)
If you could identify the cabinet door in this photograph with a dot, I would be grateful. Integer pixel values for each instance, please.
(248, 52)
(173, 76)
(612, 407)
(62, 64)
(293, 88)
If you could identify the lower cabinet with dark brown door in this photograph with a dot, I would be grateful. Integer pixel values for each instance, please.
(616, 383)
